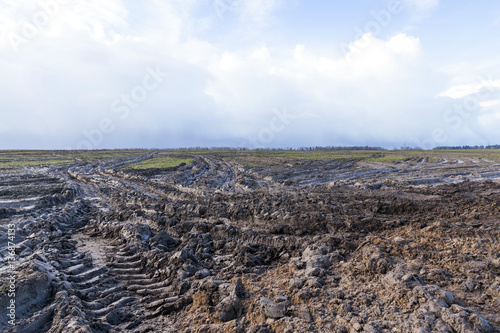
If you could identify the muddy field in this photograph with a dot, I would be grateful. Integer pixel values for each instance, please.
(250, 243)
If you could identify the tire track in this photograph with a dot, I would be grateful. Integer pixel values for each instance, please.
(102, 297)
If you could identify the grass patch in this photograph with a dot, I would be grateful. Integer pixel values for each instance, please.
(97, 155)
(10, 159)
(13, 159)
(14, 164)
(161, 163)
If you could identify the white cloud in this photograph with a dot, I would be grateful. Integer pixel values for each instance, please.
(258, 11)
(490, 104)
(378, 90)
(422, 5)
(461, 91)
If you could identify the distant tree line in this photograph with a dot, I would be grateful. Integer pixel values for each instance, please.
(330, 148)
(208, 148)
(319, 148)
(467, 147)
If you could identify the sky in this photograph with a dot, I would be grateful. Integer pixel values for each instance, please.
(92, 74)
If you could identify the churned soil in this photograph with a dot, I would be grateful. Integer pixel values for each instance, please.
(285, 246)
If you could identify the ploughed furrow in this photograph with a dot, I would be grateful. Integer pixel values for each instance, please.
(157, 189)
(200, 167)
(208, 173)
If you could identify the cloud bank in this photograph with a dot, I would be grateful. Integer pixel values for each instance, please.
(88, 74)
